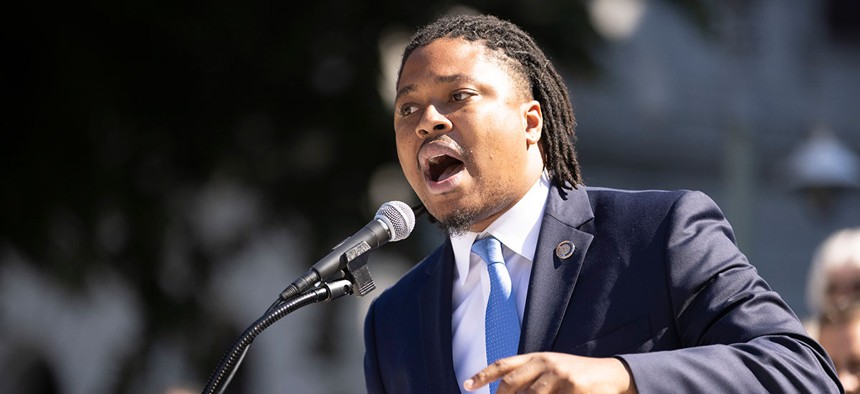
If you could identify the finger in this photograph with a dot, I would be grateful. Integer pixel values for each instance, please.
(545, 383)
(495, 371)
(522, 377)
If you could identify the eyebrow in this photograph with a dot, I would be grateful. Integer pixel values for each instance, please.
(440, 79)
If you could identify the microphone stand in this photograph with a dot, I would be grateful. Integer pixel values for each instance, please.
(356, 279)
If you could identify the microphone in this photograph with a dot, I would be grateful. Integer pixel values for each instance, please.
(393, 222)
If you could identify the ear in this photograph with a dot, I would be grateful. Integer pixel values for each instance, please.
(532, 121)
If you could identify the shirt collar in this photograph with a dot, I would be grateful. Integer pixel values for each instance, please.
(518, 228)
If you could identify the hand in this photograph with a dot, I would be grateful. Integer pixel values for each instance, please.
(556, 373)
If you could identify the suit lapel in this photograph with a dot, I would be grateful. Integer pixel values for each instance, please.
(558, 260)
(553, 277)
(435, 325)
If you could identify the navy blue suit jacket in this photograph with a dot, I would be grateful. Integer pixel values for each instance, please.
(655, 279)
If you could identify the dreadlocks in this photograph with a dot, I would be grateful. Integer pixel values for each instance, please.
(529, 63)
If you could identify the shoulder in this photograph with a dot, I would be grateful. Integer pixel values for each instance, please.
(651, 211)
(652, 196)
(646, 202)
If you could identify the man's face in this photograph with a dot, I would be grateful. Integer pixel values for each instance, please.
(842, 343)
(467, 133)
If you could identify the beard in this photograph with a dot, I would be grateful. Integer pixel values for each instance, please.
(461, 219)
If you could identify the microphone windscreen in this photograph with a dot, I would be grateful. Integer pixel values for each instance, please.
(399, 218)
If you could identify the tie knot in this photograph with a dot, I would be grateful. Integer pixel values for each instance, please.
(489, 249)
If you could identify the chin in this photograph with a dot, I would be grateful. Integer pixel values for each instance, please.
(439, 205)
(458, 220)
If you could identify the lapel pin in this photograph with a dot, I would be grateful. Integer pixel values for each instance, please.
(564, 250)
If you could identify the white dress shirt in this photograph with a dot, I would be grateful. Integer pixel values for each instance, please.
(517, 230)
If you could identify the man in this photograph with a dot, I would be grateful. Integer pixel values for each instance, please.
(839, 334)
(609, 291)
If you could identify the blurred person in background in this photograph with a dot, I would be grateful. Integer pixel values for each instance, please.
(834, 275)
(833, 297)
(839, 334)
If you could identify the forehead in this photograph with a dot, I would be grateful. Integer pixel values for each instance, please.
(447, 58)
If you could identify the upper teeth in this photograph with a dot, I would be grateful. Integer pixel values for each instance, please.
(435, 159)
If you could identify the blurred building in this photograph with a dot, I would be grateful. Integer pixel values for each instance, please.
(725, 110)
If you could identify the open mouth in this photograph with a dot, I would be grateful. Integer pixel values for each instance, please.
(443, 167)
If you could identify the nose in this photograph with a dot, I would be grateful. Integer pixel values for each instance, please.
(432, 123)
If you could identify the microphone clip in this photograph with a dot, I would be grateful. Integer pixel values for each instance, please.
(357, 270)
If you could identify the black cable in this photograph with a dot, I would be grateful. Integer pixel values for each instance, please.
(418, 210)
(229, 363)
(278, 302)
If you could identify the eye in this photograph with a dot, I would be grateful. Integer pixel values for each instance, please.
(407, 109)
(461, 95)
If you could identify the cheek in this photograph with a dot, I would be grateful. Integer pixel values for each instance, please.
(505, 150)
(402, 141)
(407, 154)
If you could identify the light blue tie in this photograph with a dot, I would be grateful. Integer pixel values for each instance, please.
(502, 324)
